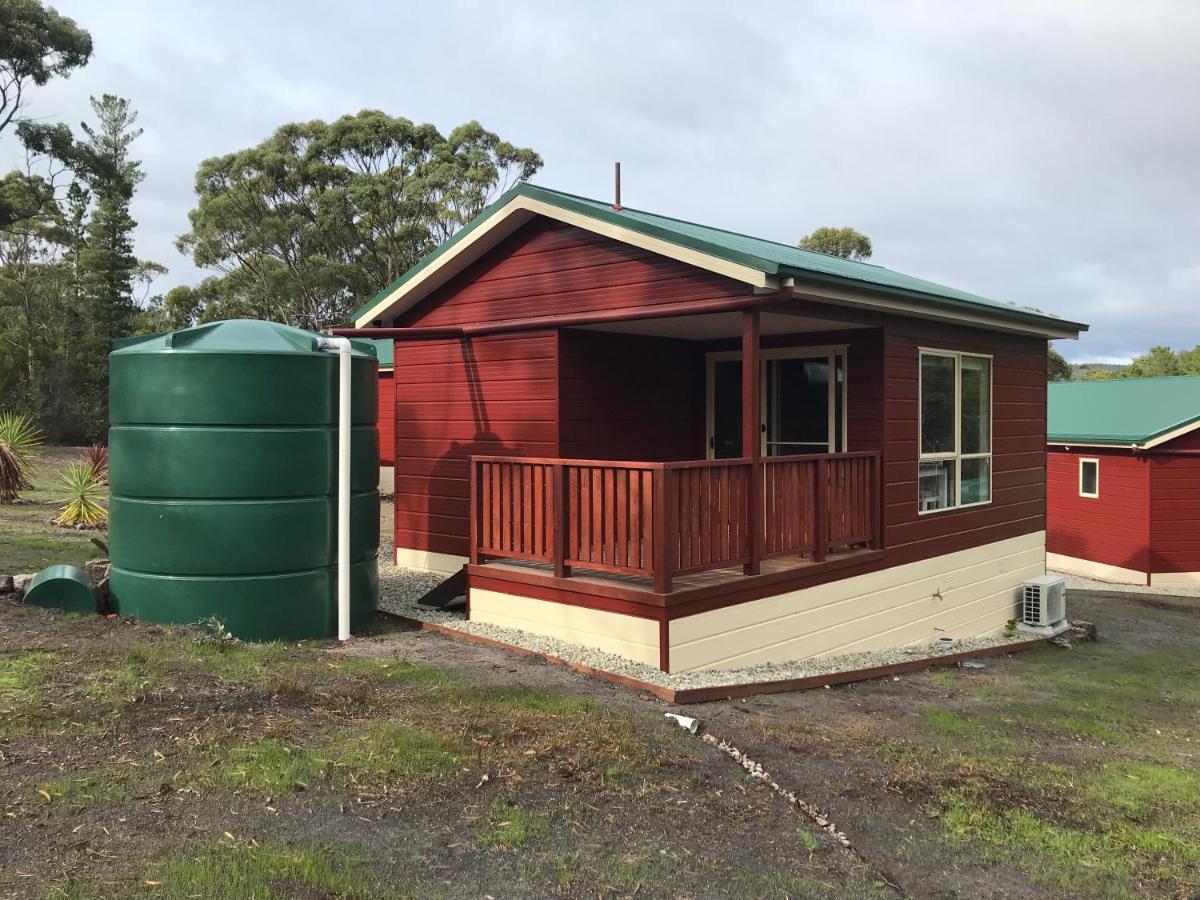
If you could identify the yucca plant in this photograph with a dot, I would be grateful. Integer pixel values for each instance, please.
(82, 506)
(97, 457)
(20, 440)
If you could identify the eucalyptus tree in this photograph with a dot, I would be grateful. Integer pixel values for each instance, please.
(304, 226)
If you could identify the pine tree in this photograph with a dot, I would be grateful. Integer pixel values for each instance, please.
(107, 265)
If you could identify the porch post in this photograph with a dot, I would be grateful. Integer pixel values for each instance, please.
(751, 441)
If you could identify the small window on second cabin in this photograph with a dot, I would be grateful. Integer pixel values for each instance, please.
(1089, 478)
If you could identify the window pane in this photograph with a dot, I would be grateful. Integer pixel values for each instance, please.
(727, 409)
(937, 404)
(1089, 475)
(976, 405)
(839, 398)
(798, 405)
(936, 483)
(976, 480)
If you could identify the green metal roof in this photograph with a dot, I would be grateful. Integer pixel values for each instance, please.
(384, 348)
(768, 257)
(1126, 411)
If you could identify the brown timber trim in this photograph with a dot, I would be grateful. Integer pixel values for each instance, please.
(646, 604)
(541, 587)
(729, 692)
(536, 323)
(751, 439)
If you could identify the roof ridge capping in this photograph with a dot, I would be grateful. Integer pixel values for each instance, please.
(729, 231)
(741, 253)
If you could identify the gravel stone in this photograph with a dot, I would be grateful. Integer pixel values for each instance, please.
(1079, 583)
(400, 588)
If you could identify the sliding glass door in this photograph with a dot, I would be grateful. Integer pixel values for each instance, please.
(803, 402)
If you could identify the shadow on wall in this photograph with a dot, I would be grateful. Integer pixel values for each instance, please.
(436, 516)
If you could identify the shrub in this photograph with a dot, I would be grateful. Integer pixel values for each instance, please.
(97, 457)
(19, 443)
(82, 507)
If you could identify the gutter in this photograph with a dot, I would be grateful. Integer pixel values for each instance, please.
(666, 311)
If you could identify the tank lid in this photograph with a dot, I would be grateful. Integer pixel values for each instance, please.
(233, 336)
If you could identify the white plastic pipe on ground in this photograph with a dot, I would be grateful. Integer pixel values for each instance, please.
(342, 347)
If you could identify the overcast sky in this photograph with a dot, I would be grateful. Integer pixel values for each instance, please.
(1043, 153)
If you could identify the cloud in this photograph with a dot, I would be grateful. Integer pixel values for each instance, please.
(1039, 153)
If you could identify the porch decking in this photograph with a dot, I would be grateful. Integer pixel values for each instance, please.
(681, 586)
(672, 528)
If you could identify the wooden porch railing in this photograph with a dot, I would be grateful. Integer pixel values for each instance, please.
(660, 520)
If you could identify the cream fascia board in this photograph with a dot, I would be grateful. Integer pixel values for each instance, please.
(1171, 435)
(521, 210)
(867, 300)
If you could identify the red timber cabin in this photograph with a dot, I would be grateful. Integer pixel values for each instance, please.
(701, 450)
(1123, 495)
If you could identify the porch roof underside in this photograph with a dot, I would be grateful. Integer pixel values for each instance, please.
(761, 264)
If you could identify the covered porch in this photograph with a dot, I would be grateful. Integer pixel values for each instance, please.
(774, 477)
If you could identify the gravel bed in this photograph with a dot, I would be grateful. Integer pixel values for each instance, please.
(1079, 583)
(399, 589)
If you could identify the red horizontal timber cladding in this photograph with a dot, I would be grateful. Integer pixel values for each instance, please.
(630, 397)
(549, 268)
(460, 397)
(1113, 528)
(386, 422)
(1018, 441)
(1174, 510)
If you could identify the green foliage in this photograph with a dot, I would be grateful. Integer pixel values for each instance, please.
(1057, 368)
(20, 440)
(318, 217)
(844, 242)
(36, 44)
(82, 506)
(1159, 362)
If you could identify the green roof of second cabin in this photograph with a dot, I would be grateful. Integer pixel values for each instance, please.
(762, 262)
(384, 352)
(1131, 412)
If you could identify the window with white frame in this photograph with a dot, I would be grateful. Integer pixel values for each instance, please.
(955, 466)
(1089, 478)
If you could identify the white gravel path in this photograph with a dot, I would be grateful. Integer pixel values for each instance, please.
(399, 589)
(1079, 583)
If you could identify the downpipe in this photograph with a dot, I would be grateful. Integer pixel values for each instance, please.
(342, 347)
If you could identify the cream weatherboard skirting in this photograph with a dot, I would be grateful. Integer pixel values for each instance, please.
(428, 561)
(971, 593)
(1175, 579)
(967, 594)
(611, 632)
(1088, 568)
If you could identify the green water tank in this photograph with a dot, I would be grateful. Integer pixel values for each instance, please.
(223, 476)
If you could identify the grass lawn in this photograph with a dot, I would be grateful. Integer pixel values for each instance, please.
(140, 760)
(29, 539)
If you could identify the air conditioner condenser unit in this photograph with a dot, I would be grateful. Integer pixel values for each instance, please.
(1044, 606)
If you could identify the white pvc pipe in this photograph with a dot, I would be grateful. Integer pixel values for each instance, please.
(343, 348)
